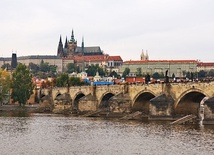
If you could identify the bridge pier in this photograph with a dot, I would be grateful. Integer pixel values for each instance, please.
(161, 108)
(209, 111)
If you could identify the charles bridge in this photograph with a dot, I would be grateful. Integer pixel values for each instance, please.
(157, 101)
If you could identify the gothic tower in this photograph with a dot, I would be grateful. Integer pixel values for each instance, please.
(82, 45)
(72, 44)
(60, 48)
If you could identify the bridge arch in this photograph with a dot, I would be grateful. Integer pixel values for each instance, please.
(189, 102)
(76, 99)
(57, 94)
(141, 101)
(103, 104)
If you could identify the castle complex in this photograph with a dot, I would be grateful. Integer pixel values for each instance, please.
(71, 49)
(84, 56)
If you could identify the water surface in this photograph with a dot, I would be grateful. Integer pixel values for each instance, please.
(58, 135)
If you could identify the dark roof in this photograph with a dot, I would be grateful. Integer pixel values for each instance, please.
(39, 57)
(93, 49)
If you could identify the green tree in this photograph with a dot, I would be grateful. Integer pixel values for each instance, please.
(202, 74)
(5, 82)
(156, 75)
(6, 66)
(139, 72)
(44, 66)
(75, 81)
(22, 86)
(34, 68)
(173, 75)
(211, 73)
(62, 80)
(92, 69)
(71, 67)
(113, 73)
(126, 72)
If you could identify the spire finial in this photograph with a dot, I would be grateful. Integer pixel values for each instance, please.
(60, 39)
(82, 41)
(72, 36)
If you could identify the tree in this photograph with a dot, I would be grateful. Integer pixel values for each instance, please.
(211, 73)
(44, 66)
(22, 85)
(62, 80)
(139, 72)
(126, 72)
(113, 73)
(34, 68)
(71, 67)
(156, 75)
(202, 74)
(75, 81)
(93, 69)
(6, 66)
(5, 82)
(173, 75)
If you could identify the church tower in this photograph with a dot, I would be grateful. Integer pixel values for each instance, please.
(60, 48)
(82, 46)
(72, 44)
(147, 56)
(142, 56)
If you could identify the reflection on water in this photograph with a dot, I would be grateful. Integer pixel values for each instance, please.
(56, 134)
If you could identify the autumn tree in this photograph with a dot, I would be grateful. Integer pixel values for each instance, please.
(22, 85)
(5, 82)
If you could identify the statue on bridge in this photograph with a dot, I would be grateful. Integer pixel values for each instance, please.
(166, 77)
(147, 79)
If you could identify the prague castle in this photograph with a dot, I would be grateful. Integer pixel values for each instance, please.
(71, 49)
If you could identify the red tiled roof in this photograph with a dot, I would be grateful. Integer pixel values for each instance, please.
(94, 58)
(134, 79)
(115, 58)
(204, 64)
(147, 61)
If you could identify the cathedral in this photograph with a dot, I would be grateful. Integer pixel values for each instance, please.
(70, 48)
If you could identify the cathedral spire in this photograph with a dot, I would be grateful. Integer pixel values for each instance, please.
(60, 47)
(82, 42)
(72, 37)
(60, 39)
(66, 43)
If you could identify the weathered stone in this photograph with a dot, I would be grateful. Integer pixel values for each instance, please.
(161, 106)
(88, 103)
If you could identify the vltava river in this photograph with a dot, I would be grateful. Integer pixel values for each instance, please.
(42, 134)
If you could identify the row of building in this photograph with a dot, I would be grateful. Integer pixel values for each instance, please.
(85, 56)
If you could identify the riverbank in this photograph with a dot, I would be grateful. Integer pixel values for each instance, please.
(12, 107)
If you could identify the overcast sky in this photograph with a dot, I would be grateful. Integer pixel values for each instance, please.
(168, 29)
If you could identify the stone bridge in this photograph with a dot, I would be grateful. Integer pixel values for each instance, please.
(155, 100)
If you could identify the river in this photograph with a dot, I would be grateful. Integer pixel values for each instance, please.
(50, 134)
